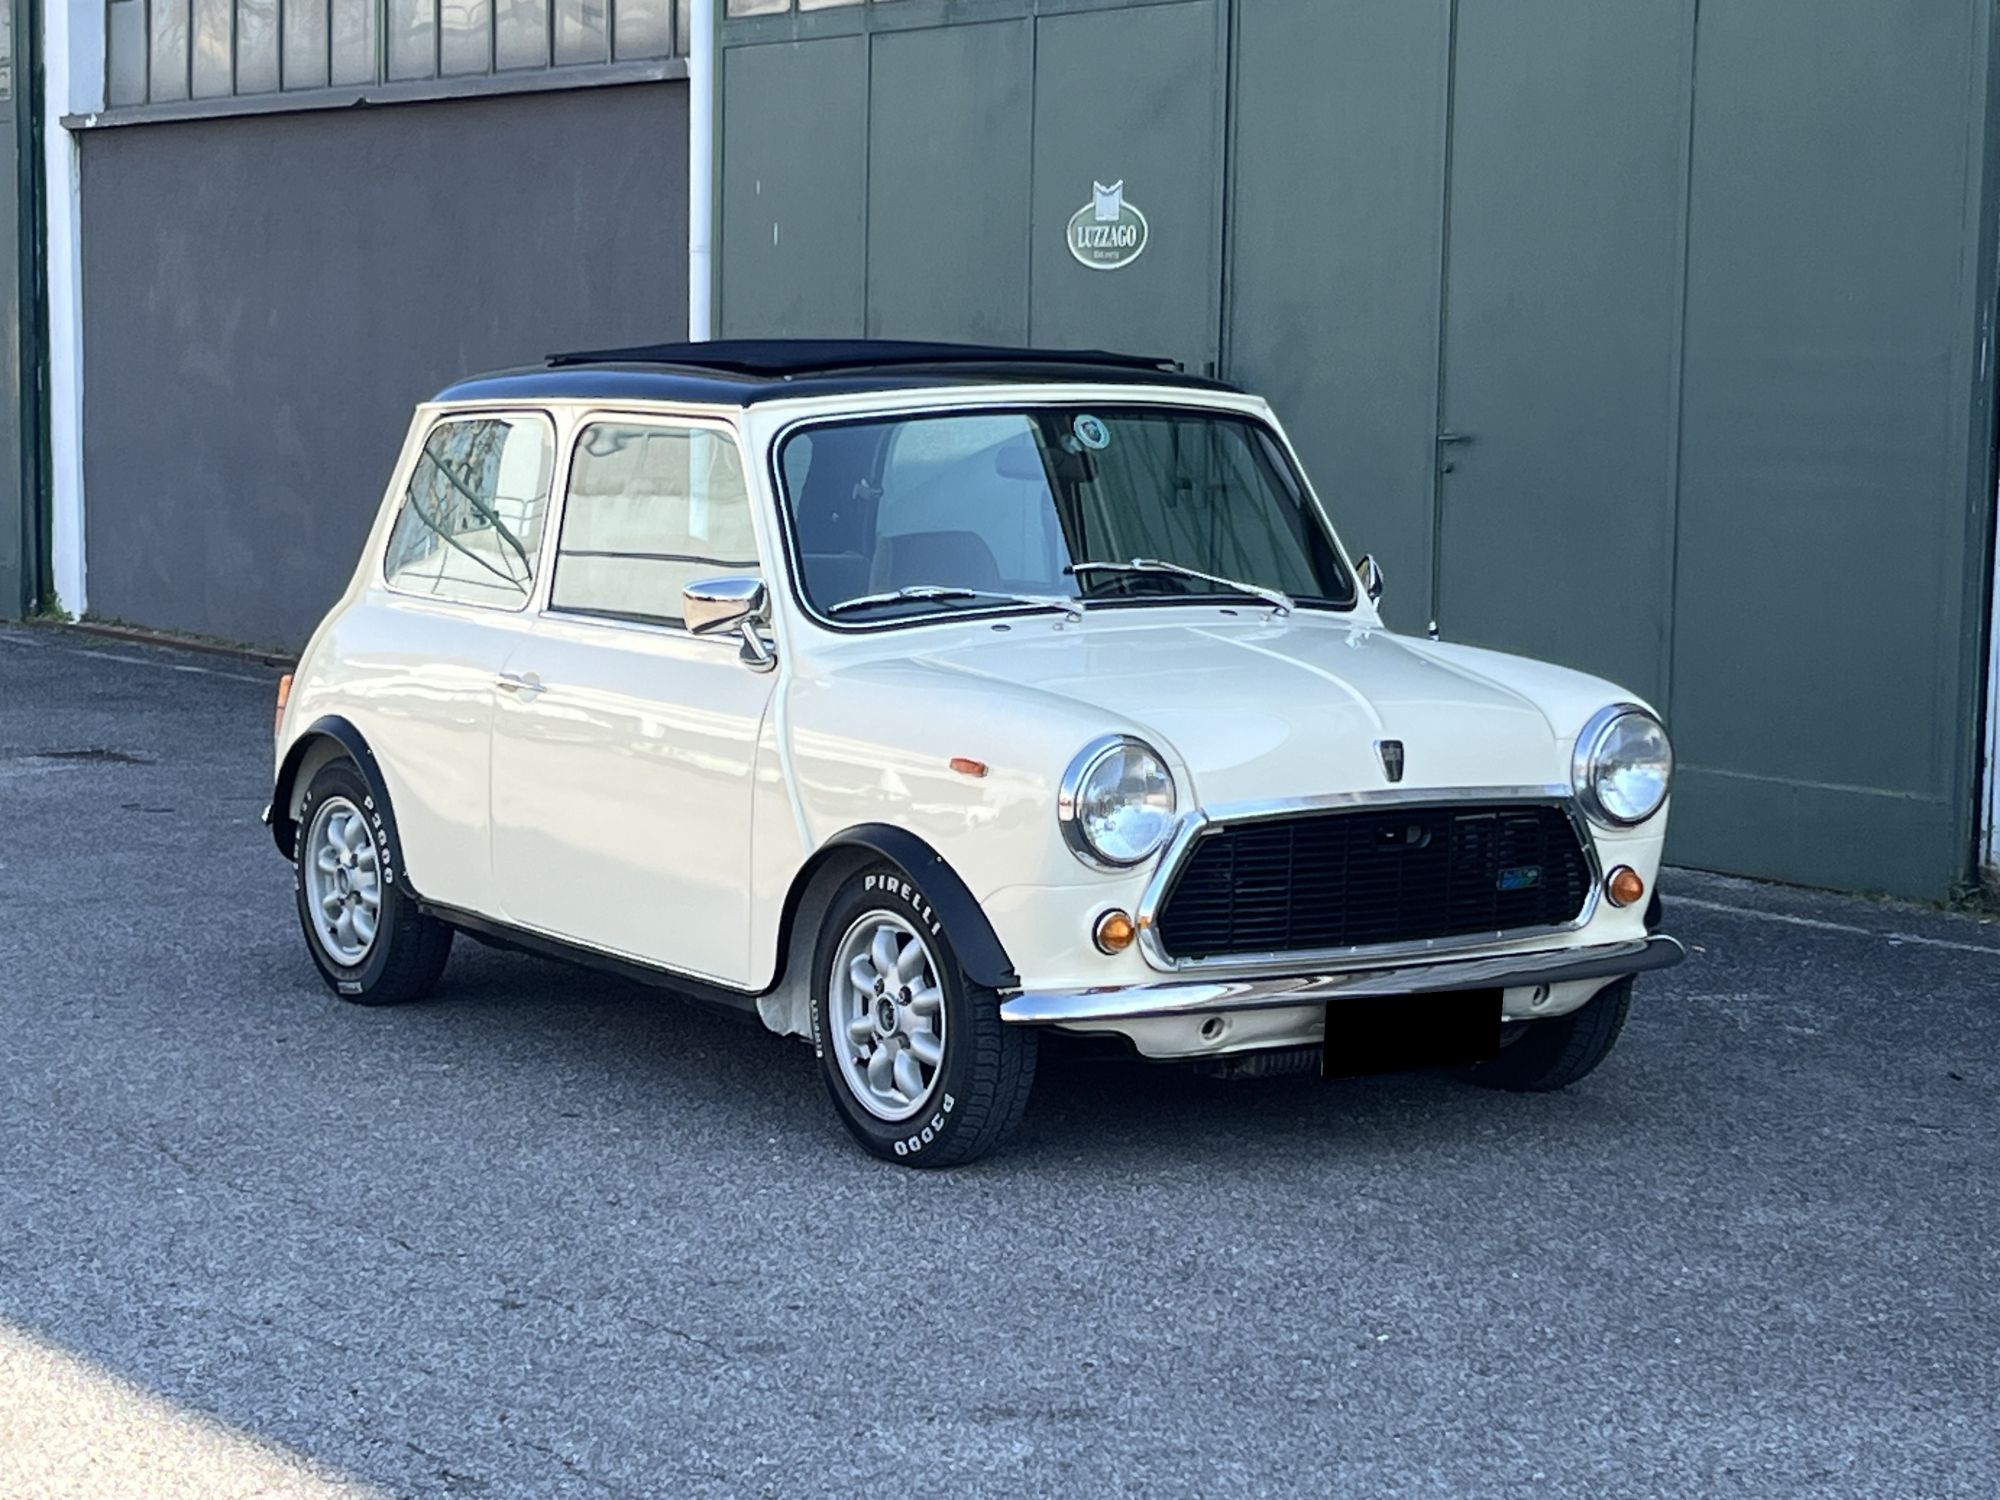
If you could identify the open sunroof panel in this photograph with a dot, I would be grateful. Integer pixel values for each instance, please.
(778, 358)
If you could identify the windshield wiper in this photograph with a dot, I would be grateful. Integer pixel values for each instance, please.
(1278, 599)
(1070, 607)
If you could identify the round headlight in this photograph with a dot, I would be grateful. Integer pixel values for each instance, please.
(1116, 806)
(1623, 766)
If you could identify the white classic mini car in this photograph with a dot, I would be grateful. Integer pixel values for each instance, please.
(925, 697)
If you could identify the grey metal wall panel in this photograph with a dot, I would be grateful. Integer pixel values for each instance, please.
(948, 151)
(1562, 298)
(265, 299)
(793, 241)
(1335, 242)
(1130, 96)
(1825, 636)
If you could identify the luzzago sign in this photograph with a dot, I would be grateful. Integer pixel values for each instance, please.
(1107, 233)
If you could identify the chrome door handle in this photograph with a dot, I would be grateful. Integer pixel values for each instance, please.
(518, 682)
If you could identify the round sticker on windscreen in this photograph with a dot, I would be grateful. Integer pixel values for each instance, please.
(1091, 432)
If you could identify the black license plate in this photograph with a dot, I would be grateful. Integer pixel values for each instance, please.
(1400, 1033)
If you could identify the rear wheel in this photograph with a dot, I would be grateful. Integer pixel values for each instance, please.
(919, 1065)
(1554, 1054)
(364, 932)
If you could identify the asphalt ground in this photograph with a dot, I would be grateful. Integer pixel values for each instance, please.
(552, 1235)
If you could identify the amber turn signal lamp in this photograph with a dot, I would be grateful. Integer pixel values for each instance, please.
(1624, 886)
(965, 765)
(284, 697)
(1114, 932)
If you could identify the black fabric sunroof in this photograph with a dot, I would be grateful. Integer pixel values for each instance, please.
(776, 358)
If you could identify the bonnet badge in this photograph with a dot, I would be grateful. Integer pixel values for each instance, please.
(1391, 752)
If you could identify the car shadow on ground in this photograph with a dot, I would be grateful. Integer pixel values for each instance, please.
(526, 1021)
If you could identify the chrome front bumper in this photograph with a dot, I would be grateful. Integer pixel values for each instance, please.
(1181, 997)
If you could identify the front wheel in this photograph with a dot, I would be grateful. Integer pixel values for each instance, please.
(1554, 1054)
(920, 1066)
(372, 944)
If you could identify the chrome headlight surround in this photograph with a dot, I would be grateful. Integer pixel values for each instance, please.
(1082, 802)
(1621, 736)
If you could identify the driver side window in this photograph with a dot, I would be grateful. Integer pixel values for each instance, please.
(966, 502)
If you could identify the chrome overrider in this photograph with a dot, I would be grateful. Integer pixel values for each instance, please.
(1195, 825)
(1260, 981)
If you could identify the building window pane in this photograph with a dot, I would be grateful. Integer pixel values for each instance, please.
(353, 41)
(580, 34)
(256, 46)
(758, 7)
(214, 65)
(524, 34)
(824, 4)
(412, 39)
(642, 28)
(305, 44)
(125, 40)
(467, 44)
(166, 51)
(169, 54)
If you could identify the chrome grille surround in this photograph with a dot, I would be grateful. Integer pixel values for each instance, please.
(1202, 821)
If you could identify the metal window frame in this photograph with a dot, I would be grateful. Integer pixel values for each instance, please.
(404, 91)
(548, 75)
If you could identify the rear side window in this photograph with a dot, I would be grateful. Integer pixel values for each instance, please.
(651, 509)
(471, 523)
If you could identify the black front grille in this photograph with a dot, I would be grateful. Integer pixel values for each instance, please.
(1357, 878)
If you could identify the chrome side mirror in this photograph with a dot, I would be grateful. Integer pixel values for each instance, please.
(715, 606)
(1371, 577)
(710, 606)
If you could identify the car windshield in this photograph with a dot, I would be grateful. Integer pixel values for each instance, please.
(940, 513)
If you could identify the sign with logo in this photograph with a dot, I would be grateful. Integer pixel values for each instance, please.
(1107, 233)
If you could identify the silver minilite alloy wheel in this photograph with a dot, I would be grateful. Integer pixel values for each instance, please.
(344, 889)
(885, 1016)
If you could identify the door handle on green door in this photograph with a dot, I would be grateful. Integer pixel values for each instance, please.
(1447, 440)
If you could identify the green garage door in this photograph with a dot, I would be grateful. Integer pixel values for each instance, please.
(1645, 337)
(896, 171)
(1561, 306)
(1642, 335)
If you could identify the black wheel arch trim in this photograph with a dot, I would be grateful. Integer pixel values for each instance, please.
(978, 947)
(284, 832)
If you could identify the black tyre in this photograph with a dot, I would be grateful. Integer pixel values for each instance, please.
(916, 1058)
(371, 943)
(1552, 1055)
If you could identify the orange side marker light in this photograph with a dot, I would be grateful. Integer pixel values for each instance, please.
(1114, 932)
(1624, 886)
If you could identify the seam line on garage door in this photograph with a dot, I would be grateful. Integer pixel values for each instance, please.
(1820, 924)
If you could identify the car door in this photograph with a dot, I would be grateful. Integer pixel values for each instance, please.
(421, 654)
(625, 749)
